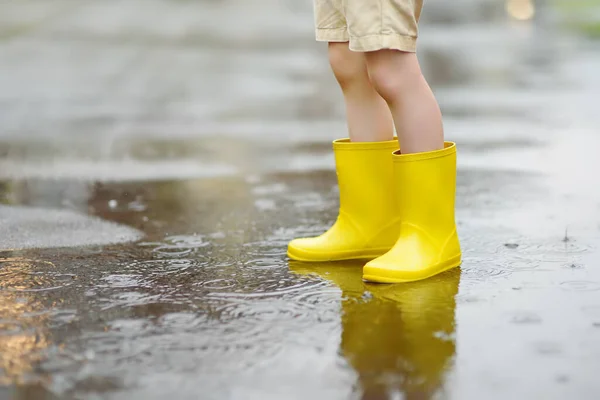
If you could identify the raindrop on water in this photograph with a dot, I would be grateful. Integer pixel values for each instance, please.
(525, 318)
(581, 286)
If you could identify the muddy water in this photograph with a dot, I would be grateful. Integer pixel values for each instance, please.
(212, 141)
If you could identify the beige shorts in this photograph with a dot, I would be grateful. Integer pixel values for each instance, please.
(369, 25)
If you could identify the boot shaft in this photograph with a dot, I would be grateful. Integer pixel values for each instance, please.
(365, 178)
(425, 185)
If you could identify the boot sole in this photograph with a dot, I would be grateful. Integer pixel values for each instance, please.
(340, 256)
(379, 275)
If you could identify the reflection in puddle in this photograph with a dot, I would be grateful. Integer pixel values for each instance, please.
(24, 335)
(399, 338)
(23, 275)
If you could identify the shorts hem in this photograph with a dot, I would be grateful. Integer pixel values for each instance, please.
(384, 41)
(332, 34)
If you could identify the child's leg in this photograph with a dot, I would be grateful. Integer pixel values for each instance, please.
(424, 183)
(368, 114)
(367, 224)
(397, 77)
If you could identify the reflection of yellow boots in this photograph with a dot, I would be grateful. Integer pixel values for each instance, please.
(425, 185)
(367, 225)
(400, 340)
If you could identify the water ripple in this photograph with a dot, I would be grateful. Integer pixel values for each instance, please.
(26, 275)
(162, 267)
(580, 286)
(178, 245)
(301, 287)
(479, 270)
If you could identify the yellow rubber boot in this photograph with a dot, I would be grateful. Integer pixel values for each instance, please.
(367, 225)
(425, 185)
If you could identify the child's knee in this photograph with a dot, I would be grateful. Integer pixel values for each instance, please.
(392, 72)
(347, 66)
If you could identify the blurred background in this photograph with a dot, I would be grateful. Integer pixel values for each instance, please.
(157, 155)
(128, 90)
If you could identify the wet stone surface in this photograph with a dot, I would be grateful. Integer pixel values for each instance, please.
(212, 145)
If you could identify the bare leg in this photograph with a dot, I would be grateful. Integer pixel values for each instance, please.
(398, 79)
(368, 115)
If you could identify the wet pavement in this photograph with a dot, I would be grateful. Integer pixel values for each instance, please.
(155, 161)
